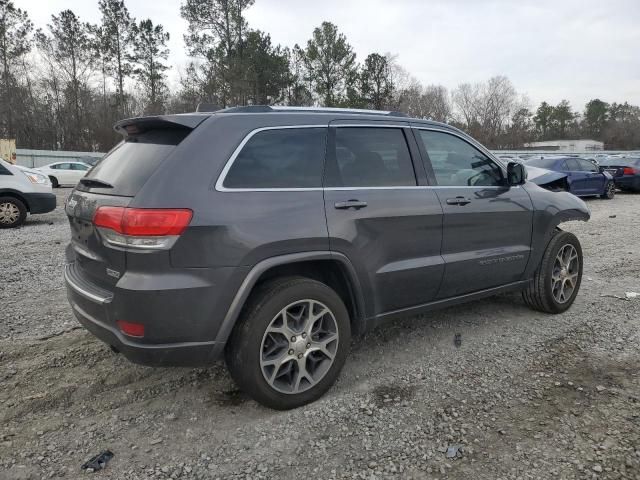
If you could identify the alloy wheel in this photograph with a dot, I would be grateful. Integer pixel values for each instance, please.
(299, 346)
(564, 277)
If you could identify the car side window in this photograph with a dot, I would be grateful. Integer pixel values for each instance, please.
(63, 166)
(78, 166)
(370, 157)
(573, 165)
(458, 163)
(588, 166)
(280, 158)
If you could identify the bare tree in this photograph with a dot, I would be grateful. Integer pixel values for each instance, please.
(15, 32)
(485, 109)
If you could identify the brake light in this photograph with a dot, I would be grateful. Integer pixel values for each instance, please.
(141, 228)
(130, 328)
(629, 171)
(143, 222)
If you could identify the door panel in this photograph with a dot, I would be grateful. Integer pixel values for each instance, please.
(65, 174)
(486, 242)
(595, 179)
(486, 239)
(578, 179)
(393, 242)
(377, 215)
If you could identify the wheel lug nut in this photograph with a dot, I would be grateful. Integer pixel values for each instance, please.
(291, 352)
(299, 356)
(308, 345)
(293, 339)
(304, 335)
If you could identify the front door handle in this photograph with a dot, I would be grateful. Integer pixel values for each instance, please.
(458, 201)
(356, 204)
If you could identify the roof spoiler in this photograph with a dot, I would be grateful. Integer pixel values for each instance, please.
(135, 126)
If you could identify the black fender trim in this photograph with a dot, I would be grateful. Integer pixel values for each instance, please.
(18, 194)
(256, 272)
(543, 229)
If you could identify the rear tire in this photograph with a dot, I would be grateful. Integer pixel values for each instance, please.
(54, 182)
(609, 191)
(13, 212)
(557, 280)
(287, 364)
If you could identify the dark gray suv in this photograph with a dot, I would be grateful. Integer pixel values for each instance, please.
(271, 236)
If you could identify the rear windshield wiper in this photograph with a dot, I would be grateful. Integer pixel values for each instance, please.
(92, 182)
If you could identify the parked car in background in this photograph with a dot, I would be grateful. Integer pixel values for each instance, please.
(583, 177)
(23, 191)
(268, 236)
(625, 172)
(65, 173)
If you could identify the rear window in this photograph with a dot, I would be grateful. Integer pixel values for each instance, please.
(130, 164)
(280, 158)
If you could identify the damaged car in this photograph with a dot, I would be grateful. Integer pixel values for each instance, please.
(271, 236)
(575, 175)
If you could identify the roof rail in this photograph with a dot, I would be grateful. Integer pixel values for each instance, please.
(285, 109)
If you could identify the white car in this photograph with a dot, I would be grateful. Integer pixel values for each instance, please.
(22, 191)
(65, 173)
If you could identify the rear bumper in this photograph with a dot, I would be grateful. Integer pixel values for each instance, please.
(40, 202)
(95, 308)
(629, 182)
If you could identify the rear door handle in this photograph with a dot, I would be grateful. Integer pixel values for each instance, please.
(356, 204)
(458, 201)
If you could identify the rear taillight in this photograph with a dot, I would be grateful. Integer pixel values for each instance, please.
(629, 171)
(141, 228)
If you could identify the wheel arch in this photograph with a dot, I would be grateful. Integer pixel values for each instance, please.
(331, 268)
(544, 228)
(8, 192)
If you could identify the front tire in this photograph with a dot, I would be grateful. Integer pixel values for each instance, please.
(557, 280)
(54, 182)
(609, 192)
(13, 212)
(290, 344)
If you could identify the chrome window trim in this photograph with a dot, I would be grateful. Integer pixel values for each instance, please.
(369, 125)
(219, 186)
(467, 139)
(475, 145)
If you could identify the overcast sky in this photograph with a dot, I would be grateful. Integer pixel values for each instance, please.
(550, 49)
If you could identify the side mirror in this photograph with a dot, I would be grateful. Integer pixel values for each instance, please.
(516, 174)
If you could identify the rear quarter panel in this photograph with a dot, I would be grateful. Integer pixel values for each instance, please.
(233, 228)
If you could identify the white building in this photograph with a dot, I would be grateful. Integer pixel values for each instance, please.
(567, 145)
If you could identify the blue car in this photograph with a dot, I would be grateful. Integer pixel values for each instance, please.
(583, 177)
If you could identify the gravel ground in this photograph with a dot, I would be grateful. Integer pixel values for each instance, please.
(525, 395)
